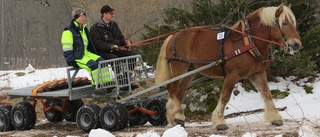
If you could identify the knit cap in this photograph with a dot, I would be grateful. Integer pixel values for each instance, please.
(77, 12)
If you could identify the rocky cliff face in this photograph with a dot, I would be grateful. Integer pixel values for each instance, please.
(31, 29)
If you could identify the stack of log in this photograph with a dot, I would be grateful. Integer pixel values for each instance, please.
(61, 84)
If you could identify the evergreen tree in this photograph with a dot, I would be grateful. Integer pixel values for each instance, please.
(207, 12)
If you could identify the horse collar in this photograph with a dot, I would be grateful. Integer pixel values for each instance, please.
(248, 42)
(247, 39)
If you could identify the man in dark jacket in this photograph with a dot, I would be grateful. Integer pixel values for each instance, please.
(108, 39)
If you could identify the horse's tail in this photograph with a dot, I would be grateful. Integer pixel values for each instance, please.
(162, 68)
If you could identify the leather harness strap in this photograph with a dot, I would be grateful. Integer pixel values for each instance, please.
(239, 51)
(248, 42)
(245, 28)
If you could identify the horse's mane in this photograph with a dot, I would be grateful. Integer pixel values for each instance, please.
(267, 16)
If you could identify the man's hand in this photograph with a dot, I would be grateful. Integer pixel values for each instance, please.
(128, 44)
(115, 47)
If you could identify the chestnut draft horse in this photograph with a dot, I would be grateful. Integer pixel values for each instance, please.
(244, 54)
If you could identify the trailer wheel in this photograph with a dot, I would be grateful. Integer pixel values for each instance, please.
(137, 117)
(23, 116)
(143, 119)
(5, 122)
(114, 116)
(88, 117)
(53, 115)
(159, 105)
(72, 109)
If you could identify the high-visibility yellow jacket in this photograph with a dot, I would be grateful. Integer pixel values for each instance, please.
(75, 41)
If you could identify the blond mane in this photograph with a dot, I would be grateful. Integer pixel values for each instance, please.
(267, 16)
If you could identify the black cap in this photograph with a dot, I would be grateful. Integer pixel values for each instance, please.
(106, 8)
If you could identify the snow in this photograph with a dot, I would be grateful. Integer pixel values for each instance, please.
(99, 132)
(300, 105)
(150, 133)
(176, 131)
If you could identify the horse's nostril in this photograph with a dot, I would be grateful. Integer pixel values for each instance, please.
(296, 46)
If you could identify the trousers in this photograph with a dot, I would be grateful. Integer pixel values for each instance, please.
(90, 63)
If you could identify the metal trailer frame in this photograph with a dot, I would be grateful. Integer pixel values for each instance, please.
(117, 80)
(88, 91)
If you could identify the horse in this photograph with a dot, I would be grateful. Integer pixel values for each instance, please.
(244, 54)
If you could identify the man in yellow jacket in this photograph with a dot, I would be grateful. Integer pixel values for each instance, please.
(78, 48)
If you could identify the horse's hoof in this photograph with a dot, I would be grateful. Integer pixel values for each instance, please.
(277, 122)
(179, 122)
(222, 127)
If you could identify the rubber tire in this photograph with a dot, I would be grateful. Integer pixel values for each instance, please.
(88, 117)
(5, 122)
(53, 115)
(136, 118)
(143, 119)
(72, 109)
(159, 105)
(23, 116)
(114, 117)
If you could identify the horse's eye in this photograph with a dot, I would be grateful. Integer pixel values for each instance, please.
(284, 23)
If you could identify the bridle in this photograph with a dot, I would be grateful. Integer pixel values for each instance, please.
(286, 46)
(258, 38)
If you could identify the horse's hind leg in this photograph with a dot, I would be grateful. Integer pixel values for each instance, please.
(177, 94)
(217, 118)
(174, 110)
(177, 91)
(271, 113)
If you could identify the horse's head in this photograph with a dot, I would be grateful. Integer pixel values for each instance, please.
(283, 27)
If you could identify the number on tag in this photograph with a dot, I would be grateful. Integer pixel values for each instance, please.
(220, 36)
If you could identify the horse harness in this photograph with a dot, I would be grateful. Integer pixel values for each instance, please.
(224, 31)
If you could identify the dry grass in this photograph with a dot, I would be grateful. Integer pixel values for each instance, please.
(5, 88)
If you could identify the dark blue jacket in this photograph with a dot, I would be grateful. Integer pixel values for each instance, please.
(78, 44)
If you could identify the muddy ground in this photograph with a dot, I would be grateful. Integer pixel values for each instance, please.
(62, 129)
(43, 128)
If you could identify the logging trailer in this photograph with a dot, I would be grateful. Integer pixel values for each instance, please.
(62, 99)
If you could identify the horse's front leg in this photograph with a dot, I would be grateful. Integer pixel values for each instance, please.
(271, 113)
(217, 118)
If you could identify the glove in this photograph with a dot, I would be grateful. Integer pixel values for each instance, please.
(73, 63)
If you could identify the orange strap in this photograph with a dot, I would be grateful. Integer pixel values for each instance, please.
(36, 90)
(246, 38)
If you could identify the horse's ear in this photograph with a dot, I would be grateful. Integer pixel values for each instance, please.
(279, 10)
(289, 6)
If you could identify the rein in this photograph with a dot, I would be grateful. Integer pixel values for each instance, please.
(146, 41)
(255, 37)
